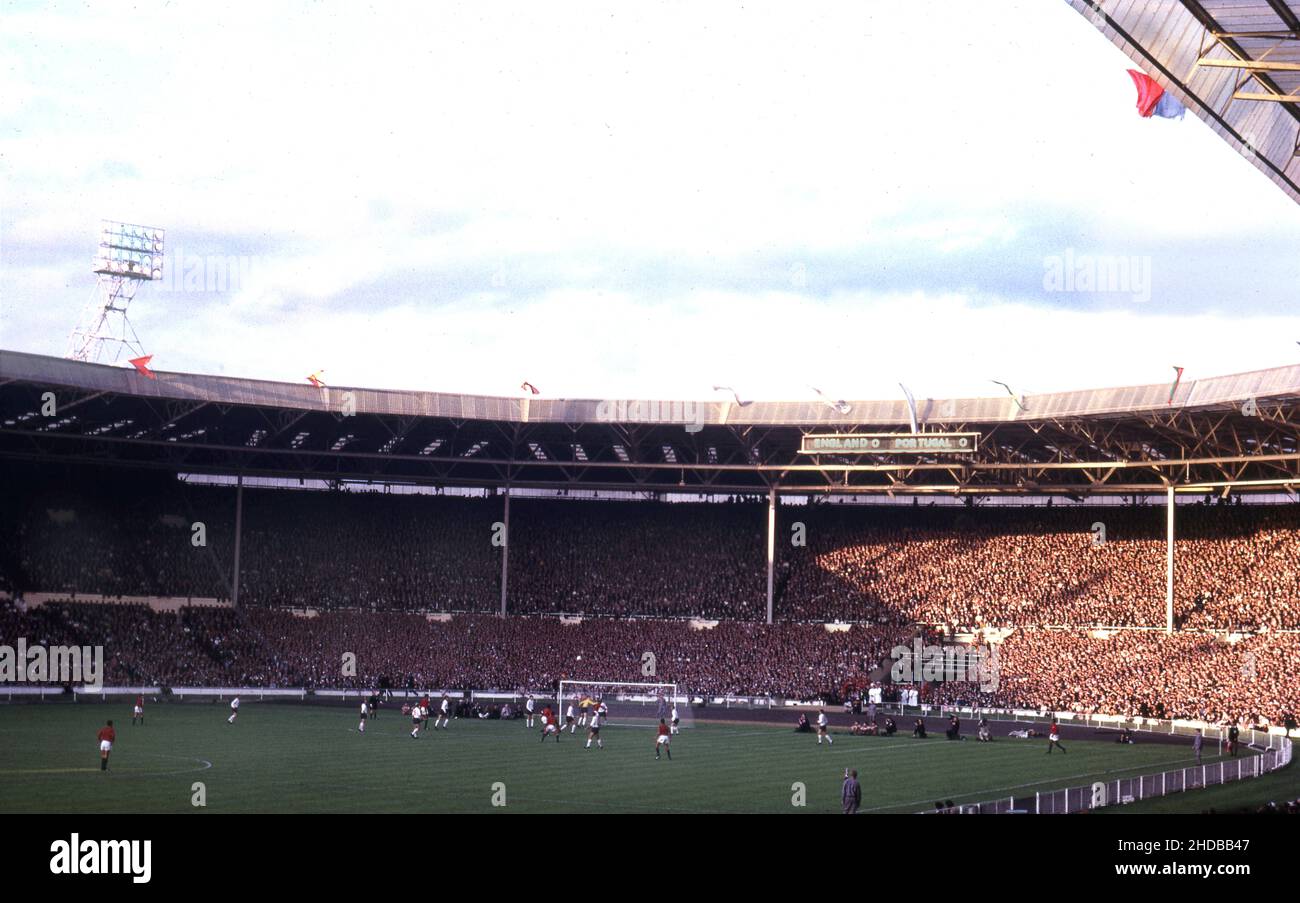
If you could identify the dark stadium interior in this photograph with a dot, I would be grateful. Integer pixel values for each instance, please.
(115, 532)
(371, 563)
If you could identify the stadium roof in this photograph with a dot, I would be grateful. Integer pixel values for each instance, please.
(1233, 63)
(1238, 430)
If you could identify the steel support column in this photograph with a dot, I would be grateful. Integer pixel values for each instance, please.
(505, 553)
(239, 529)
(771, 546)
(1169, 559)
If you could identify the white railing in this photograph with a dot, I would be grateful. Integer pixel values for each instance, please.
(11, 692)
(1269, 751)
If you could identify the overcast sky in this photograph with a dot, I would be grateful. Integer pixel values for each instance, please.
(633, 200)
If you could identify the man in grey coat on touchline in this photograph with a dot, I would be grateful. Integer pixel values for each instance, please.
(851, 796)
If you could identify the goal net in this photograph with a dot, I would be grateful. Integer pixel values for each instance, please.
(634, 704)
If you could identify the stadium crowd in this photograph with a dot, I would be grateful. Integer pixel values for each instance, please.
(1133, 672)
(1140, 673)
(275, 648)
(141, 646)
(636, 559)
(372, 564)
(1237, 566)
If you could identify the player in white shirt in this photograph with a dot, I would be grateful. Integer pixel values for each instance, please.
(416, 713)
(444, 712)
(593, 731)
(365, 712)
(568, 719)
(676, 722)
(234, 710)
(822, 724)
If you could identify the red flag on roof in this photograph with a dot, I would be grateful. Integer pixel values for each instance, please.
(1148, 92)
(1152, 98)
(141, 364)
(530, 387)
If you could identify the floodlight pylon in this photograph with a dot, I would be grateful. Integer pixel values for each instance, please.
(128, 255)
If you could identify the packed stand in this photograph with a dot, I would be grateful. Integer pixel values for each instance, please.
(132, 534)
(1237, 567)
(1140, 673)
(270, 648)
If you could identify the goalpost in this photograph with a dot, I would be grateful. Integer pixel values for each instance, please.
(641, 704)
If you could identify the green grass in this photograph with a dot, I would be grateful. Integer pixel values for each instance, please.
(285, 758)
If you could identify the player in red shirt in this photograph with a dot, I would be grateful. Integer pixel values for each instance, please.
(424, 713)
(664, 739)
(106, 737)
(549, 726)
(1054, 737)
(138, 711)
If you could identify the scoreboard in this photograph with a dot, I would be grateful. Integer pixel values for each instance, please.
(889, 443)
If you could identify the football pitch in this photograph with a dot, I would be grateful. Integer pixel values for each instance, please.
(309, 759)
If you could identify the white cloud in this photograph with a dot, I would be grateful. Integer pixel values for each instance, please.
(352, 146)
(773, 345)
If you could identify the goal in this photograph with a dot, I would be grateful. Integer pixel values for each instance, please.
(635, 704)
